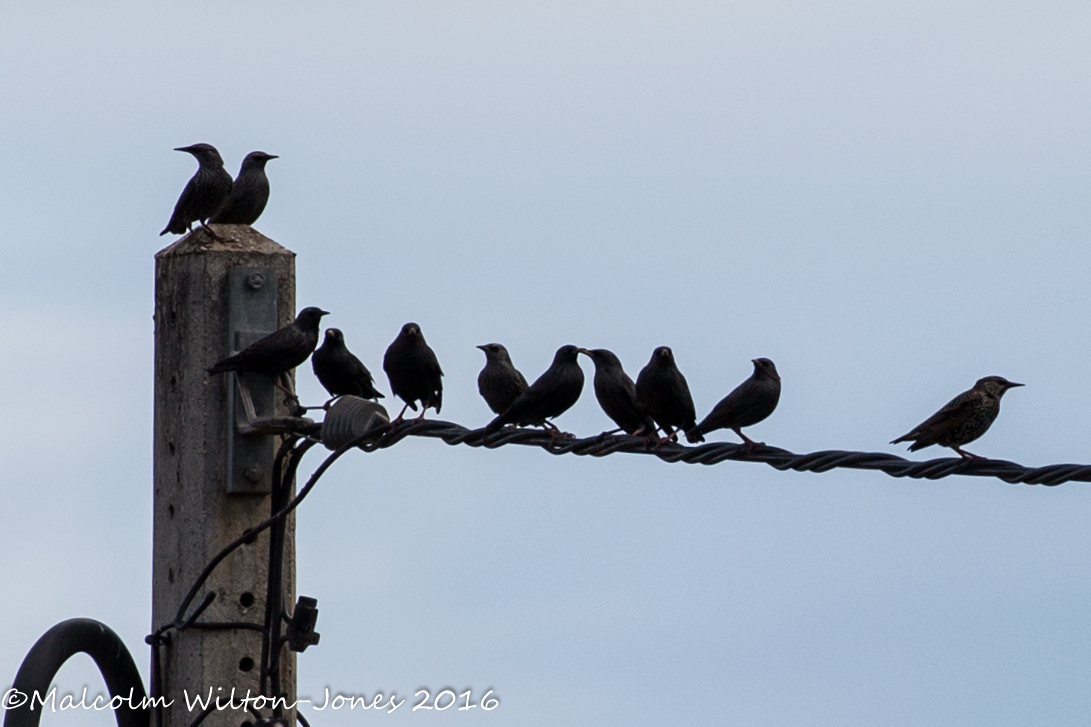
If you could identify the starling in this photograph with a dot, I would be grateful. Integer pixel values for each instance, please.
(280, 351)
(551, 395)
(963, 419)
(204, 193)
(249, 193)
(752, 401)
(617, 393)
(500, 383)
(663, 394)
(413, 371)
(341, 372)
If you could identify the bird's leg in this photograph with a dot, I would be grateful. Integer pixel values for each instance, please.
(398, 419)
(669, 435)
(284, 383)
(323, 407)
(750, 443)
(651, 438)
(604, 435)
(966, 455)
(212, 233)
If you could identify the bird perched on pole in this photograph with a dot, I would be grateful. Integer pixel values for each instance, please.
(204, 193)
(663, 394)
(963, 419)
(749, 403)
(249, 193)
(339, 371)
(551, 394)
(413, 371)
(616, 393)
(499, 383)
(280, 351)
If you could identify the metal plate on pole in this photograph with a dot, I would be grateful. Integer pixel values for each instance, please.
(252, 315)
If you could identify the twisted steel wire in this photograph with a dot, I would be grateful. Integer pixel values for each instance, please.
(387, 435)
(716, 452)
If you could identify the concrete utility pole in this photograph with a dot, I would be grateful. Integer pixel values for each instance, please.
(211, 484)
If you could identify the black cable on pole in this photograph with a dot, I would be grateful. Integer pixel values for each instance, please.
(54, 648)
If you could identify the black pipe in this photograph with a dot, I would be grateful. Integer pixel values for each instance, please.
(49, 653)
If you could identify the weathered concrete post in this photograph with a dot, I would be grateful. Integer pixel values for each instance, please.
(197, 510)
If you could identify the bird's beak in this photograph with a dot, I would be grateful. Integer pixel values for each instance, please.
(483, 346)
(324, 312)
(584, 351)
(1012, 385)
(181, 148)
(271, 156)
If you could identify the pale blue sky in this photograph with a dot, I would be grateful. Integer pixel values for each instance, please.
(888, 200)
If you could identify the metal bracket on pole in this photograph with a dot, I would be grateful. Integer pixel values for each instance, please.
(248, 422)
(251, 315)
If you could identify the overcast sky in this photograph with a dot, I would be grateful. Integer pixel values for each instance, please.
(890, 200)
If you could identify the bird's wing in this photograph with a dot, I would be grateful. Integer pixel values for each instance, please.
(725, 412)
(528, 405)
(356, 369)
(685, 399)
(433, 364)
(227, 209)
(953, 414)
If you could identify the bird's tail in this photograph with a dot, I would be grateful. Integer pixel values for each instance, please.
(918, 441)
(495, 424)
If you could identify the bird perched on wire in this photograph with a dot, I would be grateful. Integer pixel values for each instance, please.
(749, 403)
(414, 372)
(280, 351)
(963, 419)
(249, 193)
(339, 371)
(663, 394)
(616, 393)
(551, 394)
(204, 193)
(499, 383)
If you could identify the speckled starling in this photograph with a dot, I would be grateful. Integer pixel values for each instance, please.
(499, 383)
(751, 401)
(963, 419)
(663, 394)
(340, 371)
(249, 193)
(414, 372)
(280, 351)
(552, 394)
(616, 393)
(204, 193)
